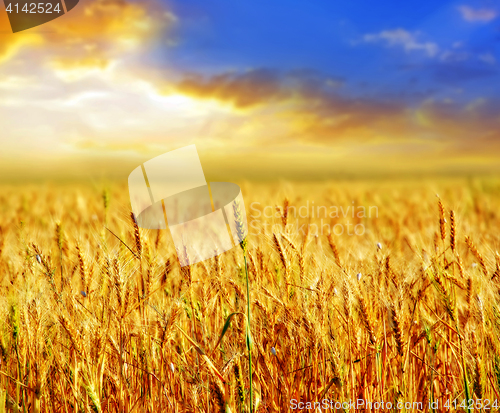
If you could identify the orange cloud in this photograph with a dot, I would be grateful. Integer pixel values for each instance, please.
(92, 34)
(252, 88)
(10, 43)
(274, 110)
(309, 113)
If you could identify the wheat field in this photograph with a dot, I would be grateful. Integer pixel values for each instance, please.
(96, 315)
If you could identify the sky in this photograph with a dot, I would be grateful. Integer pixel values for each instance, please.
(264, 89)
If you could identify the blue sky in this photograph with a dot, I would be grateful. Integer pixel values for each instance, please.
(442, 46)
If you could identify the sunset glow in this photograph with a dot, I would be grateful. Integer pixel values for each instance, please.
(132, 79)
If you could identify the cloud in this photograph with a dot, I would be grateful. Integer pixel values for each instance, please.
(87, 92)
(101, 117)
(477, 15)
(255, 87)
(82, 77)
(92, 35)
(450, 56)
(458, 73)
(456, 56)
(242, 90)
(11, 44)
(278, 115)
(400, 37)
(487, 58)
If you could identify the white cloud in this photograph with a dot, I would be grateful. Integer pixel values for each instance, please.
(477, 15)
(403, 38)
(487, 58)
(450, 56)
(114, 108)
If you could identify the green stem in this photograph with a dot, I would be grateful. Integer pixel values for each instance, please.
(249, 340)
(466, 381)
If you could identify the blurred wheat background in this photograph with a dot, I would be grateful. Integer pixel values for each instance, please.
(406, 312)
